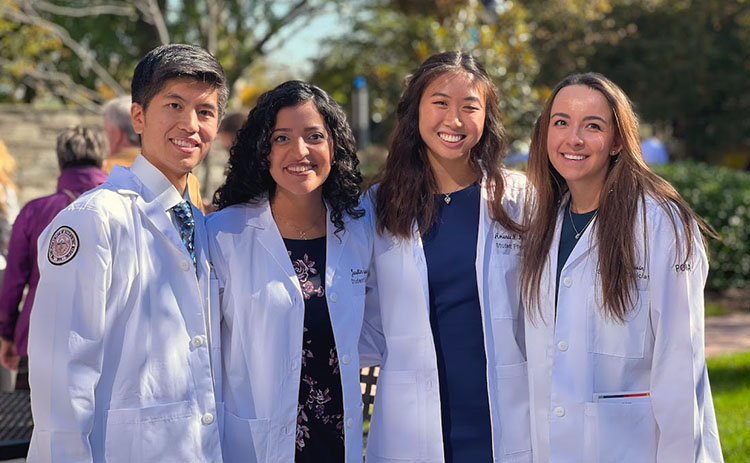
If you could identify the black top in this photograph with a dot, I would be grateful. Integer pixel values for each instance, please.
(320, 416)
(450, 248)
(568, 238)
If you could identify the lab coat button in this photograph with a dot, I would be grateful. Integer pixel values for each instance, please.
(207, 418)
(184, 265)
(198, 341)
(345, 359)
(334, 297)
(559, 412)
(567, 282)
(562, 345)
(349, 422)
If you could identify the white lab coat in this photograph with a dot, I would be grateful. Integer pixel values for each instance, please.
(406, 421)
(659, 350)
(263, 317)
(119, 358)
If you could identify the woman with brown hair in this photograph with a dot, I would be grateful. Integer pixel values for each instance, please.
(443, 316)
(614, 266)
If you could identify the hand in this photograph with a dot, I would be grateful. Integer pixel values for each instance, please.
(8, 356)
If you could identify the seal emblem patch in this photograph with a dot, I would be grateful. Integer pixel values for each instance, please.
(63, 246)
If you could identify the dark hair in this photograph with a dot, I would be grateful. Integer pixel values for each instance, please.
(81, 146)
(177, 61)
(248, 176)
(407, 183)
(628, 182)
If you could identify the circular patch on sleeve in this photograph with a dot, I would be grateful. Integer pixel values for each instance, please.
(63, 246)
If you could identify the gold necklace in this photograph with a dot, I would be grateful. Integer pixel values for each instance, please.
(579, 233)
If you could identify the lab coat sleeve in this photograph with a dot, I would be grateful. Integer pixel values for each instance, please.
(680, 391)
(65, 340)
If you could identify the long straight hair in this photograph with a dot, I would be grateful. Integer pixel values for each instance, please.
(407, 184)
(628, 182)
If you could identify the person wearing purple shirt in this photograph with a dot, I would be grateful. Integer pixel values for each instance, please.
(80, 153)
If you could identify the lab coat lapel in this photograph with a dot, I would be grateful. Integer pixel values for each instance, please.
(150, 208)
(270, 239)
(335, 245)
(485, 228)
(203, 268)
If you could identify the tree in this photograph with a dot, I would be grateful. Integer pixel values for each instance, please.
(97, 44)
(388, 41)
(684, 64)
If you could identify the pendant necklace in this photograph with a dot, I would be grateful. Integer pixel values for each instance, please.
(302, 231)
(447, 197)
(579, 233)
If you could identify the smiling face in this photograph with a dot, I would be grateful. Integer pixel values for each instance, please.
(177, 127)
(301, 150)
(451, 117)
(581, 138)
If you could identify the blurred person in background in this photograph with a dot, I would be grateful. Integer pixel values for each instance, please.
(8, 212)
(125, 144)
(80, 153)
(231, 124)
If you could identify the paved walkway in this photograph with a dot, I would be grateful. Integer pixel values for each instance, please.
(727, 333)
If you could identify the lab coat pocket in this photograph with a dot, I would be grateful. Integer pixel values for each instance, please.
(611, 337)
(161, 433)
(245, 441)
(397, 419)
(513, 392)
(619, 433)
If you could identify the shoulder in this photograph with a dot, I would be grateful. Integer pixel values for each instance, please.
(233, 218)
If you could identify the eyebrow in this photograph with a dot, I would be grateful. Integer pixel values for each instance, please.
(468, 98)
(306, 129)
(587, 118)
(177, 96)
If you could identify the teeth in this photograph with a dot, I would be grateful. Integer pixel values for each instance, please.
(450, 138)
(186, 144)
(574, 157)
(300, 168)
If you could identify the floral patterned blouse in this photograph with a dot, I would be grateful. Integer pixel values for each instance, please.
(320, 408)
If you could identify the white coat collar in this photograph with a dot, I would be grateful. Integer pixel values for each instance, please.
(258, 215)
(153, 179)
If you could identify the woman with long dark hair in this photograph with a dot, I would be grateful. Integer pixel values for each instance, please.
(443, 319)
(291, 255)
(613, 272)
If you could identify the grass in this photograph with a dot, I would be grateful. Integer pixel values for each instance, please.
(730, 384)
(715, 309)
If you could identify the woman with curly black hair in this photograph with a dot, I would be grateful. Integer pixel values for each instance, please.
(291, 256)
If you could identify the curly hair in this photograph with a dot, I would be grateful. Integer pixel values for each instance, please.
(248, 175)
(407, 182)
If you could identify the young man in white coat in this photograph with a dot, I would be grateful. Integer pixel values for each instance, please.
(120, 346)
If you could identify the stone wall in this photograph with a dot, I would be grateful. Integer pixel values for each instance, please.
(30, 134)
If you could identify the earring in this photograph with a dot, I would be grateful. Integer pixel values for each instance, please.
(613, 153)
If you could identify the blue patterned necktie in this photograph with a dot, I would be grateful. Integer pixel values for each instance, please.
(184, 214)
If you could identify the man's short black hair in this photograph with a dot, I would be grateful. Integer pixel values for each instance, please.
(177, 61)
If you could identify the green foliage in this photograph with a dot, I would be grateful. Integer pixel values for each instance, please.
(684, 64)
(730, 384)
(97, 44)
(387, 43)
(722, 197)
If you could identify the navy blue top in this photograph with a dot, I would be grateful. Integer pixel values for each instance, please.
(450, 248)
(320, 410)
(568, 238)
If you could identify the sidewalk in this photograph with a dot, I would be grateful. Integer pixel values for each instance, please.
(728, 333)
